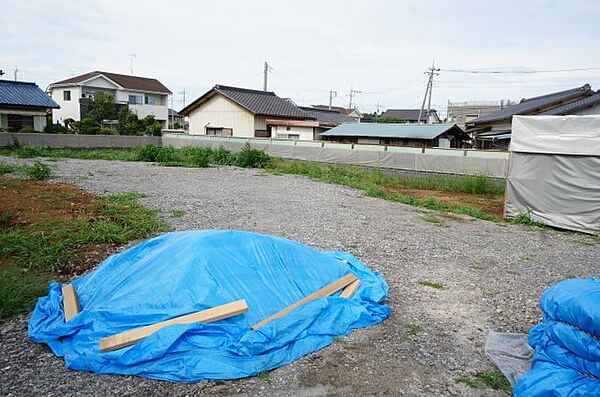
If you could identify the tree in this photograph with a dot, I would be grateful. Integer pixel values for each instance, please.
(129, 124)
(102, 107)
(151, 126)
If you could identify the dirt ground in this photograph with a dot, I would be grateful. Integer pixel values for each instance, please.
(492, 276)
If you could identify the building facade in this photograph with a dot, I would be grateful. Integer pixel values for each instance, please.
(460, 113)
(23, 106)
(144, 96)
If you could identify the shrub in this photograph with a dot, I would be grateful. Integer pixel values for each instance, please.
(108, 131)
(147, 153)
(201, 157)
(26, 130)
(56, 128)
(222, 156)
(252, 158)
(38, 171)
(166, 155)
(151, 126)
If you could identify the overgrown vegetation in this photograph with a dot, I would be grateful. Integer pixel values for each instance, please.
(524, 218)
(32, 254)
(38, 171)
(487, 380)
(431, 284)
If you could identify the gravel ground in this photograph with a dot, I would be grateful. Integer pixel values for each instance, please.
(493, 276)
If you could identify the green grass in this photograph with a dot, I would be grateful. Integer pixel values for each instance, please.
(38, 171)
(487, 380)
(431, 219)
(524, 218)
(431, 284)
(39, 252)
(414, 329)
(177, 213)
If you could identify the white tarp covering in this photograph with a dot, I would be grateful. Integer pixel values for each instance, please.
(554, 171)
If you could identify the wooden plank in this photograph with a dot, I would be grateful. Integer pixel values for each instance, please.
(135, 335)
(325, 291)
(350, 290)
(70, 302)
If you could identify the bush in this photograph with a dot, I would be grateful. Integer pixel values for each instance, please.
(38, 171)
(151, 126)
(108, 131)
(26, 130)
(166, 155)
(252, 158)
(55, 128)
(222, 156)
(201, 157)
(147, 153)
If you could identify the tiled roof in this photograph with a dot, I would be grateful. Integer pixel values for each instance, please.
(339, 109)
(575, 106)
(382, 130)
(328, 117)
(264, 103)
(530, 105)
(19, 93)
(406, 114)
(125, 81)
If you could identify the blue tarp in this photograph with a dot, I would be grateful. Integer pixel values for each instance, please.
(566, 361)
(183, 272)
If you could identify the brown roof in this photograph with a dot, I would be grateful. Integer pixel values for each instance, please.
(125, 81)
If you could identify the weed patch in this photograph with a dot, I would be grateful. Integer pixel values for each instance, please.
(177, 213)
(432, 219)
(38, 171)
(431, 284)
(414, 329)
(487, 380)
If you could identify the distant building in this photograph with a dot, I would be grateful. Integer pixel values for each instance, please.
(352, 113)
(144, 96)
(176, 118)
(327, 119)
(411, 116)
(461, 113)
(416, 135)
(23, 105)
(242, 112)
(493, 130)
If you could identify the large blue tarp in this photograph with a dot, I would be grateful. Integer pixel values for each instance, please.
(566, 361)
(184, 272)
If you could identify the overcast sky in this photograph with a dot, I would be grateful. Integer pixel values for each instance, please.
(379, 47)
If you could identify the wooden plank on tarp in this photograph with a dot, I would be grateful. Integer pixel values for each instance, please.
(70, 302)
(133, 336)
(350, 290)
(325, 291)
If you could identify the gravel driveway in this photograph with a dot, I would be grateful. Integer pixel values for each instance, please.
(493, 276)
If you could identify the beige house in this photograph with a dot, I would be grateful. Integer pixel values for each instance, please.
(242, 112)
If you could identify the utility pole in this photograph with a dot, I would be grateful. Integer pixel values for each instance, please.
(352, 92)
(332, 94)
(132, 57)
(15, 73)
(183, 93)
(266, 71)
(432, 71)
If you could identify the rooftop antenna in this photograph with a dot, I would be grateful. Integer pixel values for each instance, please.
(183, 93)
(332, 94)
(131, 58)
(432, 71)
(266, 72)
(15, 73)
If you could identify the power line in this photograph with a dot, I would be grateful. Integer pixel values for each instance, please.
(520, 71)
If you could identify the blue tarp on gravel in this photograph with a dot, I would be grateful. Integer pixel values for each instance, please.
(183, 272)
(566, 361)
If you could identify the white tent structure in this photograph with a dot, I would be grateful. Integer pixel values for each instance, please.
(554, 171)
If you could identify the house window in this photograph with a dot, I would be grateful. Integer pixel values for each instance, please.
(150, 100)
(135, 99)
(67, 95)
(16, 122)
(289, 136)
(219, 131)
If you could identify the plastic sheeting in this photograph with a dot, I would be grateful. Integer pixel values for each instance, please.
(547, 180)
(510, 352)
(183, 272)
(575, 135)
(566, 361)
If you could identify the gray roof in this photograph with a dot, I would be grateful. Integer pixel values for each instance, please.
(575, 106)
(22, 94)
(530, 105)
(382, 130)
(264, 103)
(406, 114)
(328, 117)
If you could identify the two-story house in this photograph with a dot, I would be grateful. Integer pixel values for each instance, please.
(144, 96)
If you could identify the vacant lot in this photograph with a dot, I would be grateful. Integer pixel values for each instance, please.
(451, 278)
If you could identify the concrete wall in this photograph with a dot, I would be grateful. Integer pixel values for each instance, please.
(405, 159)
(220, 112)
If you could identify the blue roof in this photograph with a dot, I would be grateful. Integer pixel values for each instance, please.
(19, 93)
(381, 130)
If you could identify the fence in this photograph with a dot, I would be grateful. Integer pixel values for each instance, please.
(419, 160)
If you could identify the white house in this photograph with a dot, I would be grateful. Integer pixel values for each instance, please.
(144, 96)
(233, 111)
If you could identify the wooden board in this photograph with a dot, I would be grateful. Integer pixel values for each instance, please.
(70, 302)
(349, 291)
(133, 336)
(325, 291)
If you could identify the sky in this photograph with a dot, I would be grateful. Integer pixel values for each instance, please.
(380, 48)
